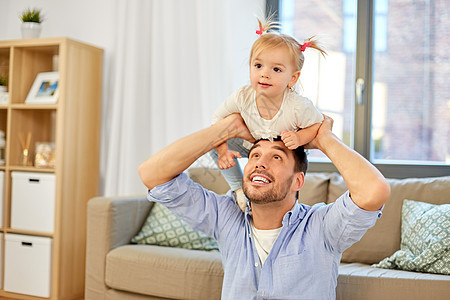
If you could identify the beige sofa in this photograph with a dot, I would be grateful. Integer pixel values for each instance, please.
(118, 270)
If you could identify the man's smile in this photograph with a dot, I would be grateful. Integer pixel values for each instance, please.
(259, 178)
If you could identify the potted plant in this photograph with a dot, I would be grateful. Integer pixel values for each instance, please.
(3, 93)
(3, 83)
(31, 23)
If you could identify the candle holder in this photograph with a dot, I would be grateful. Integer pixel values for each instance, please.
(25, 149)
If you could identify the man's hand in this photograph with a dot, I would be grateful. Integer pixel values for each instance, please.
(324, 130)
(238, 128)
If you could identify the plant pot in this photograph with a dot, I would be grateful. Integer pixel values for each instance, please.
(30, 30)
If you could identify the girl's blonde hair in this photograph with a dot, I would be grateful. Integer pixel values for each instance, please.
(271, 40)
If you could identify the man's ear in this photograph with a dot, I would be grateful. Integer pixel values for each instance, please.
(294, 78)
(299, 181)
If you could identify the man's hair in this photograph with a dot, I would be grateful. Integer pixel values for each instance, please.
(301, 160)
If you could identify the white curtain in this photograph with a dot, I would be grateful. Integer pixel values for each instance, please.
(174, 62)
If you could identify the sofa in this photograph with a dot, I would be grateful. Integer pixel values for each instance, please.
(117, 269)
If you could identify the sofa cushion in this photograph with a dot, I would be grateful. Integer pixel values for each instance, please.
(165, 272)
(383, 239)
(425, 245)
(315, 188)
(359, 281)
(164, 228)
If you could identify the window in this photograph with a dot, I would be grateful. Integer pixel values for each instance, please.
(397, 52)
(349, 8)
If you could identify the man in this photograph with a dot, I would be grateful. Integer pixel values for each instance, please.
(278, 249)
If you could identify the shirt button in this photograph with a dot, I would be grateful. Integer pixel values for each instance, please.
(256, 264)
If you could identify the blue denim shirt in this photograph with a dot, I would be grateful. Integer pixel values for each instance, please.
(304, 260)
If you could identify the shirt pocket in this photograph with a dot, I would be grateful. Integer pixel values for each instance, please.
(293, 277)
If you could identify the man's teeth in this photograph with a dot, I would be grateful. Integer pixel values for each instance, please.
(260, 179)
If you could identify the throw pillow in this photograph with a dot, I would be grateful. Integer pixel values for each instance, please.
(164, 228)
(425, 240)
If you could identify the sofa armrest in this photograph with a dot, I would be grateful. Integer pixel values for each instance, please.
(111, 222)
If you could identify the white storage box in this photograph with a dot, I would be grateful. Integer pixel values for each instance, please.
(28, 265)
(2, 184)
(33, 201)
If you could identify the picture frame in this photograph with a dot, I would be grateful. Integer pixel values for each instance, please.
(45, 89)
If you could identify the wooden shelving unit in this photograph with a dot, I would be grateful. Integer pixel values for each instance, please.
(73, 124)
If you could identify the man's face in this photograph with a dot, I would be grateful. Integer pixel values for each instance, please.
(269, 174)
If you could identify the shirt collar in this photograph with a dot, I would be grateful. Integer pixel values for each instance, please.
(296, 214)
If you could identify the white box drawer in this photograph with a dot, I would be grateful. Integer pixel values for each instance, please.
(33, 201)
(28, 261)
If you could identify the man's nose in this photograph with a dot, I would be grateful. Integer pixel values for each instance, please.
(261, 164)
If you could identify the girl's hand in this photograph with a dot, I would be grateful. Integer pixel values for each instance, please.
(290, 139)
(226, 159)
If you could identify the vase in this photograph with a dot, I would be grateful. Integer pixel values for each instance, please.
(30, 30)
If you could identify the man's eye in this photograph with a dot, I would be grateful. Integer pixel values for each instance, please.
(277, 157)
(255, 155)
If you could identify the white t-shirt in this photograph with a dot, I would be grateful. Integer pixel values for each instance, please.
(296, 112)
(264, 240)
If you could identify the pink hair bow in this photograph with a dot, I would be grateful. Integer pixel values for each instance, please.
(305, 45)
(260, 31)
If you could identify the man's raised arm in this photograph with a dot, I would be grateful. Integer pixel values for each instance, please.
(177, 157)
(368, 188)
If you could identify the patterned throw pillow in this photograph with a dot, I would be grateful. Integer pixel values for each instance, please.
(425, 244)
(163, 228)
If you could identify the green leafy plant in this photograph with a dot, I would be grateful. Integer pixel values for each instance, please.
(29, 15)
(3, 80)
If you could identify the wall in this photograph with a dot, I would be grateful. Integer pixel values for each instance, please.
(94, 22)
(89, 21)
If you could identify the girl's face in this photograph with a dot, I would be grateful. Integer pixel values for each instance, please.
(272, 71)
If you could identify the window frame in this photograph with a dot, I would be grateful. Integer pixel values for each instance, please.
(363, 110)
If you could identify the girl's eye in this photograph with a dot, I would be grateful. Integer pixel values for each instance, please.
(278, 70)
(258, 66)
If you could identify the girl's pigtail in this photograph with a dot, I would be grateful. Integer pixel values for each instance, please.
(267, 25)
(312, 43)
